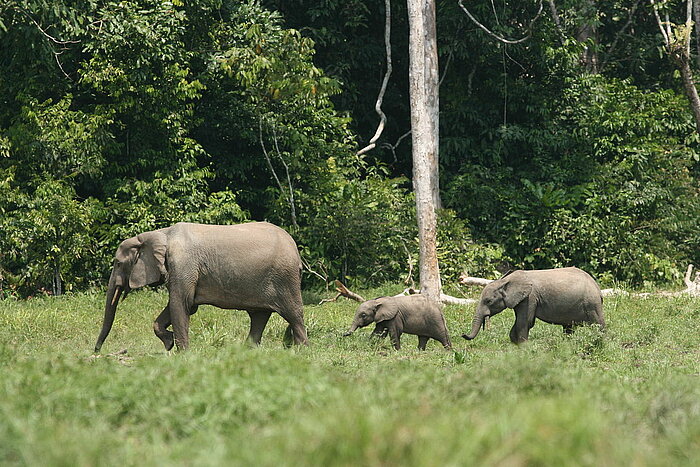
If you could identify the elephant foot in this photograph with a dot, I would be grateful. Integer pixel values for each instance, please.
(168, 340)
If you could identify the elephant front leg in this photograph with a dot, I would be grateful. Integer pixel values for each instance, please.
(520, 331)
(180, 309)
(380, 331)
(160, 328)
(395, 335)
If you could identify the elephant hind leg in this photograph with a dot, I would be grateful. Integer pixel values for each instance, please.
(294, 315)
(600, 319)
(445, 341)
(298, 331)
(422, 341)
(258, 321)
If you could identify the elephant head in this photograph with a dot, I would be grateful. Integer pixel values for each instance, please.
(372, 311)
(506, 292)
(139, 261)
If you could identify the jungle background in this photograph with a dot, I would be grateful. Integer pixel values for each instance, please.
(576, 146)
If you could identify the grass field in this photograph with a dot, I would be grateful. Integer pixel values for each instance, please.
(628, 397)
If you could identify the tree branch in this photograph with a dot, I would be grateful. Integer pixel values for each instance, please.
(496, 36)
(622, 30)
(380, 98)
(557, 21)
(290, 197)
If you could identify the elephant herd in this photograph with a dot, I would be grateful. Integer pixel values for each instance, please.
(256, 267)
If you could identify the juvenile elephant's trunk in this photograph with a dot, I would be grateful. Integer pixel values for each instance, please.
(352, 329)
(113, 294)
(477, 323)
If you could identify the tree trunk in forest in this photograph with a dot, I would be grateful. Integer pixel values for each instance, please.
(691, 91)
(587, 32)
(696, 17)
(423, 88)
(57, 283)
(677, 39)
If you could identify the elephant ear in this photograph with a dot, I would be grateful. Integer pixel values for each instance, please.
(385, 311)
(515, 291)
(150, 263)
(128, 249)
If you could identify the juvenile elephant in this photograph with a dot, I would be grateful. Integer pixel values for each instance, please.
(566, 296)
(253, 267)
(412, 314)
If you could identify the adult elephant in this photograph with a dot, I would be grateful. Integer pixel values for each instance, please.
(253, 267)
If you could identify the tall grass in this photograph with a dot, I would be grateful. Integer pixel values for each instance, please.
(630, 396)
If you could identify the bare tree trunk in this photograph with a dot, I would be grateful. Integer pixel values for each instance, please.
(696, 17)
(57, 283)
(423, 87)
(689, 85)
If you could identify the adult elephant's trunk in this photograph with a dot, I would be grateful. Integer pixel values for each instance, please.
(477, 323)
(113, 294)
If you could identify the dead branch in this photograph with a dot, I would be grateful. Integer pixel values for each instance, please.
(290, 196)
(692, 288)
(496, 36)
(343, 292)
(557, 21)
(380, 98)
(478, 281)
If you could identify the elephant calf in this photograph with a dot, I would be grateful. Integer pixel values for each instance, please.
(566, 296)
(412, 314)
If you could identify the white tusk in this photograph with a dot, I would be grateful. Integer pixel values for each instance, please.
(117, 293)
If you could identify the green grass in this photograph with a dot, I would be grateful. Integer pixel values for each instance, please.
(628, 397)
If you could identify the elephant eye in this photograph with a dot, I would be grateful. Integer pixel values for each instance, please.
(362, 315)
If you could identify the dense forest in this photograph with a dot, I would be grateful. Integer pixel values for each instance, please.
(574, 146)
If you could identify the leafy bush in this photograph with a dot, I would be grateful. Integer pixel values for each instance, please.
(610, 189)
(637, 219)
(458, 253)
(364, 230)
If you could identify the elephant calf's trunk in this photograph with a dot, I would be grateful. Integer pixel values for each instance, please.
(476, 325)
(352, 329)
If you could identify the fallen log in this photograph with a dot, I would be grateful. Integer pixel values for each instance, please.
(477, 281)
(343, 291)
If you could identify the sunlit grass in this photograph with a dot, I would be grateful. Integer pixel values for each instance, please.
(630, 396)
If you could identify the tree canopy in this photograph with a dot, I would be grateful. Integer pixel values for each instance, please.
(576, 146)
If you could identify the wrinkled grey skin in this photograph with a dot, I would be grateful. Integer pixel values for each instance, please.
(412, 314)
(253, 267)
(565, 296)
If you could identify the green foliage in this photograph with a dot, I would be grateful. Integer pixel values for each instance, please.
(363, 229)
(45, 236)
(459, 254)
(609, 189)
(140, 113)
(630, 396)
(636, 222)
